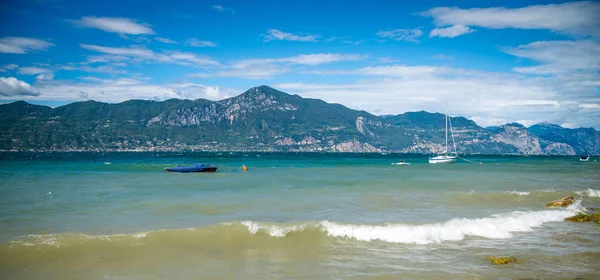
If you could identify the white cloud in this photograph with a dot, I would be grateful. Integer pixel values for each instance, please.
(386, 71)
(345, 40)
(198, 43)
(222, 9)
(270, 67)
(487, 97)
(10, 66)
(119, 81)
(45, 76)
(274, 34)
(573, 17)
(320, 58)
(443, 57)
(21, 45)
(106, 58)
(32, 70)
(115, 25)
(123, 89)
(408, 35)
(165, 40)
(386, 60)
(570, 68)
(11, 87)
(451, 32)
(146, 55)
(253, 71)
(99, 69)
(180, 57)
(559, 56)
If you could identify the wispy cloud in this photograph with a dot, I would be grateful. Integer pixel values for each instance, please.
(387, 60)
(12, 87)
(110, 69)
(573, 17)
(558, 57)
(443, 57)
(408, 35)
(32, 70)
(122, 89)
(345, 40)
(274, 34)
(490, 98)
(571, 68)
(6, 67)
(451, 32)
(114, 25)
(45, 76)
(21, 45)
(10, 66)
(200, 43)
(222, 9)
(145, 55)
(271, 67)
(165, 40)
(106, 58)
(218, 8)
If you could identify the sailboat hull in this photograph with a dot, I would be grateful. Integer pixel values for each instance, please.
(442, 159)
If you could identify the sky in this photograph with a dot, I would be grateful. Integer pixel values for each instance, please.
(494, 62)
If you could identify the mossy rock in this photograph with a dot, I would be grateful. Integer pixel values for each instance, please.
(596, 216)
(565, 201)
(581, 217)
(502, 260)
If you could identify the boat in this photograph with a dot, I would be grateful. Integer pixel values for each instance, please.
(445, 156)
(584, 158)
(200, 167)
(401, 163)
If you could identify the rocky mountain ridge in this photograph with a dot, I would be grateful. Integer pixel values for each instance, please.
(264, 119)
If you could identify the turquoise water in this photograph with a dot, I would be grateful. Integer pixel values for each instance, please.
(293, 216)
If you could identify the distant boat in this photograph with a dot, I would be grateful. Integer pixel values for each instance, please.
(200, 167)
(446, 157)
(584, 158)
(400, 163)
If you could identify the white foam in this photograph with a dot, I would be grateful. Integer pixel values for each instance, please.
(272, 230)
(589, 192)
(499, 226)
(518, 193)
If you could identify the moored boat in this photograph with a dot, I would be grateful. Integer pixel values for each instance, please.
(200, 167)
(446, 157)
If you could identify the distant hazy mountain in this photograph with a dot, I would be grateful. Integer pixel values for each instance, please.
(264, 119)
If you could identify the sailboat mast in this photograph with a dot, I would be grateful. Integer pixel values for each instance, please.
(446, 108)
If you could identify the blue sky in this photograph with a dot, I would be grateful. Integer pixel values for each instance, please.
(492, 61)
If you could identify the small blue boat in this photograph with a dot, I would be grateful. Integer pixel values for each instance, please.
(200, 167)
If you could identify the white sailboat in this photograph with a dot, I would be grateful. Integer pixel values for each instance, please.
(446, 157)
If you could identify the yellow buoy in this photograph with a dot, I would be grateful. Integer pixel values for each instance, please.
(244, 167)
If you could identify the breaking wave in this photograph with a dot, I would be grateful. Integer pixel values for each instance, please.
(589, 192)
(498, 226)
(518, 193)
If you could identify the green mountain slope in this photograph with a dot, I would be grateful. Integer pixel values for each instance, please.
(260, 119)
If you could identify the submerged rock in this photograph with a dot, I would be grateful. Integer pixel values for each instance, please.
(581, 217)
(596, 216)
(565, 201)
(502, 260)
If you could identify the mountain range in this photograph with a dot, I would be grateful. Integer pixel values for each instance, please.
(265, 119)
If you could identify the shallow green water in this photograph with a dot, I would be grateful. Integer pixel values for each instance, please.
(293, 216)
